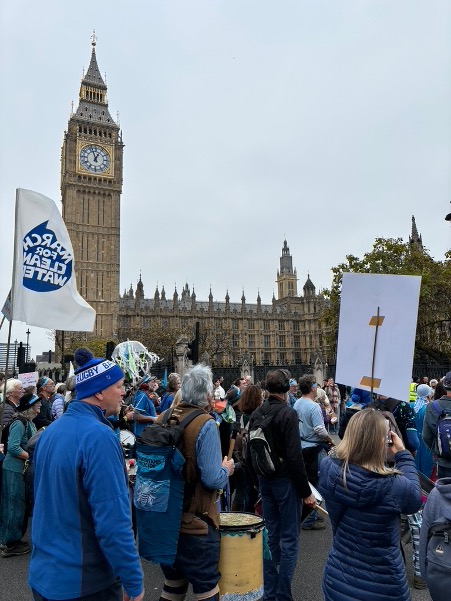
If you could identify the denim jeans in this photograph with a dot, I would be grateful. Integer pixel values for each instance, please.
(310, 519)
(196, 562)
(112, 593)
(246, 494)
(282, 513)
(312, 457)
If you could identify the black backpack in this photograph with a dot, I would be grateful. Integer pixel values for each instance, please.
(438, 560)
(443, 431)
(168, 432)
(6, 429)
(261, 449)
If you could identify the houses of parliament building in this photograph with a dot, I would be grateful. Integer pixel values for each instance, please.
(288, 331)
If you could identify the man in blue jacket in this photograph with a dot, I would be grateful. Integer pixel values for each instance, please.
(83, 544)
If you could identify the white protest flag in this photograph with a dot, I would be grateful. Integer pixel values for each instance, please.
(44, 291)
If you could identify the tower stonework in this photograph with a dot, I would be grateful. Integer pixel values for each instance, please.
(91, 186)
(415, 238)
(287, 281)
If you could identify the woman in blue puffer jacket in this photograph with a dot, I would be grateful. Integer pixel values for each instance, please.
(365, 498)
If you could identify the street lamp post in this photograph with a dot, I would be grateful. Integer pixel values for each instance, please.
(15, 357)
(28, 344)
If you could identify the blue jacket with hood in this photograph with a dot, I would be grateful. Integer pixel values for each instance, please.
(365, 560)
(82, 534)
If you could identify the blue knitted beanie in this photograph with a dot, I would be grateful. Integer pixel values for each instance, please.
(94, 374)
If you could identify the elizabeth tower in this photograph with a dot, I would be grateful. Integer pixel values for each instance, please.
(91, 186)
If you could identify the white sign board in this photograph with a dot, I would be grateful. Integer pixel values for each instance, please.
(29, 379)
(395, 298)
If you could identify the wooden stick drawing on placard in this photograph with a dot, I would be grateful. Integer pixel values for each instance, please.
(376, 321)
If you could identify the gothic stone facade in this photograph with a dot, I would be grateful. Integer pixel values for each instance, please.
(286, 332)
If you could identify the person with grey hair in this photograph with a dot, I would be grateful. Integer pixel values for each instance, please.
(197, 556)
(197, 386)
(14, 390)
(433, 383)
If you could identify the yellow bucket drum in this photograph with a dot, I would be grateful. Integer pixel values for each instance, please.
(241, 557)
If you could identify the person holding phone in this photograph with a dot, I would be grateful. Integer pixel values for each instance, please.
(365, 499)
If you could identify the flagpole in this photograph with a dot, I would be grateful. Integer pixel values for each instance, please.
(2, 408)
(6, 375)
(62, 356)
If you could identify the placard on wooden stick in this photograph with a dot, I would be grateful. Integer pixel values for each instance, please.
(376, 339)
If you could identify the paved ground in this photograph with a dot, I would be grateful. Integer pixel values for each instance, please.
(306, 585)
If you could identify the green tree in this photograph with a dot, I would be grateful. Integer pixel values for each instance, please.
(75, 340)
(393, 256)
(97, 346)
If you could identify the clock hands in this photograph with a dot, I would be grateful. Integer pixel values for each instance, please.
(94, 158)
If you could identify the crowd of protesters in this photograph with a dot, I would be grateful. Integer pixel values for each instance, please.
(363, 452)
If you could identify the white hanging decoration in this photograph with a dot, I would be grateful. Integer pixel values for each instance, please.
(134, 359)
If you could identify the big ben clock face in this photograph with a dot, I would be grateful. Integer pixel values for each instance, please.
(94, 159)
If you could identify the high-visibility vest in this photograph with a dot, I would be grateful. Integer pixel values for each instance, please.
(413, 392)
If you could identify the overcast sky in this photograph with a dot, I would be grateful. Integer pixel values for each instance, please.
(244, 122)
